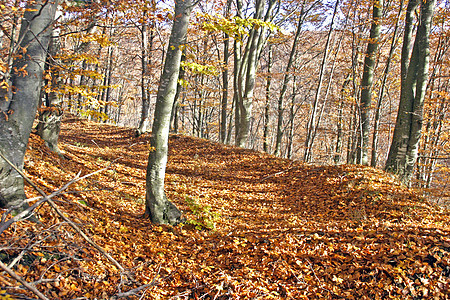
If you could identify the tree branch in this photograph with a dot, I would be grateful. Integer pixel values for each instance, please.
(53, 205)
(22, 281)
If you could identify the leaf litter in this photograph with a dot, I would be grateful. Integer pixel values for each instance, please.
(260, 227)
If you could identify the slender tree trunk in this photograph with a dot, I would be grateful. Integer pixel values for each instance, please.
(176, 102)
(353, 136)
(224, 104)
(404, 148)
(367, 79)
(339, 126)
(376, 125)
(286, 79)
(144, 121)
(237, 63)
(50, 116)
(290, 147)
(309, 141)
(267, 104)
(17, 114)
(108, 82)
(158, 207)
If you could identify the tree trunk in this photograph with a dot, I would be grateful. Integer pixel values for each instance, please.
(309, 141)
(176, 102)
(145, 61)
(224, 104)
(108, 82)
(157, 206)
(376, 123)
(287, 78)
(290, 146)
(404, 147)
(237, 63)
(247, 69)
(367, 79)
(50, 116)
(17, 114)
(340, 123)
(267, 104)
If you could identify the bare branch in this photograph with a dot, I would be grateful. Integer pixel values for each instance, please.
(53, 205)
(32, 288)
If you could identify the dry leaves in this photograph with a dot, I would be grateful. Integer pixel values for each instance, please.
(284, 230)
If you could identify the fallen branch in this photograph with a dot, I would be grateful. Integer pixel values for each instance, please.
(278, 173)
(22, 281)
(53, 205)
(134, 291)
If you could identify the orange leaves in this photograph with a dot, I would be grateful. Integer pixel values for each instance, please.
(304, 232)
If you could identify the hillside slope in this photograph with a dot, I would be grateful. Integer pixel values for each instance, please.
(259, 227)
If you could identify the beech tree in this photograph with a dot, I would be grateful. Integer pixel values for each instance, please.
(405, 143)
(17, 112)
(367, 79)
(247, 63)
(157, 207)
(50, 116)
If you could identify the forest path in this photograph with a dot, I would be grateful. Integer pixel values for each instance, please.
(283, 230)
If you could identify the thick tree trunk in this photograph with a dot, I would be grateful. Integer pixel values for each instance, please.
(403, 152)
(367, 79)
(158, 207)
(17, 114)
(247, 69)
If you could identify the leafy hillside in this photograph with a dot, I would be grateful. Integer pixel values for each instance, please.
(259, 227)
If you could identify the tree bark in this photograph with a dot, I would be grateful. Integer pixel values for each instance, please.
(224, 104)
(376, 122)
(158, 207)
(176, 102)
(367, 79)
(309, 141)
(144, 121)
(286, 79)
(17, 114)
(50, 116)
(404, 147)
(267, 104)
(247, 69)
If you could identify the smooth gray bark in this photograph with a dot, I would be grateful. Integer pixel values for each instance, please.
(157, 206)
(17, 113)
(404, 147)
(248, 66)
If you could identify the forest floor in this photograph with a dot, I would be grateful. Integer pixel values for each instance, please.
(260, 227)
